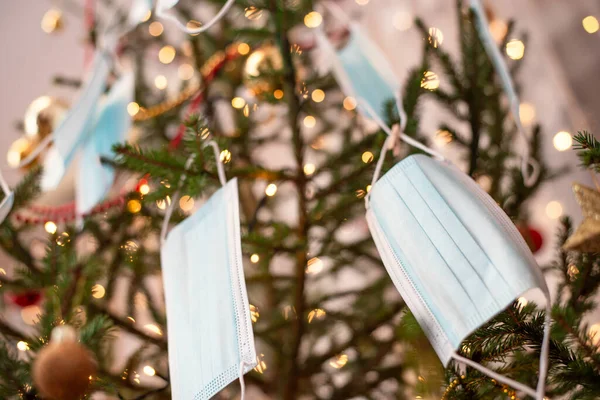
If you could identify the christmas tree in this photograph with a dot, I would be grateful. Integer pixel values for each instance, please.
(327, 320)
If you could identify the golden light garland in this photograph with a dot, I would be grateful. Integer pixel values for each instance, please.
(207, 71)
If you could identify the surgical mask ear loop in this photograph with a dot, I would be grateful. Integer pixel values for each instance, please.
(188, 164)
(537, 394)
(529, 177)
(393, 133)
(161, 13)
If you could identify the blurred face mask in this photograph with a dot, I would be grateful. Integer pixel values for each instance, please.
(76, 126)
(209, 328)
(8, 200)
(112, 123)
(360, 68)
(452, 253)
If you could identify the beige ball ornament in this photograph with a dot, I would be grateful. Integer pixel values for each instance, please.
(62, 370)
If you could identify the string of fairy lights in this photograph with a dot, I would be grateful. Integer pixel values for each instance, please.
(402, 20)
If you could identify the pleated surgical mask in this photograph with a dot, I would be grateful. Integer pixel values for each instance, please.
(360, 68)
(455, 257)
(112, 123)
(208, 316)
(76, 126)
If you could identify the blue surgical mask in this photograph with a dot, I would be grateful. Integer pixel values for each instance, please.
(76, 126)
(529, 167)
(112, 123)
(360, 68)
(452, 253)
(209, 328)
(7, 201)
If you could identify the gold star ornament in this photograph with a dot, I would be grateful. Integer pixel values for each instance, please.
(587, 236)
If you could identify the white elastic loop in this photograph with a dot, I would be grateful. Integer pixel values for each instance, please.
(373, 115)
(220, 168)
(216, 18)
(498, 61)
(537, 394)
(175, 199)
(500, 378)
(241, 378)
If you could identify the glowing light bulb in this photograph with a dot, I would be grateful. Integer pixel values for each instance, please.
(436, 37)
(590, 24)
(238, 102)
(147, 16)
(52, 20)
(155, 28)
(430, 81)
(186, 203)
(526, 113)
(309, 169)
(515, 49)
(367, 157)
(313, 19)
(318, 95)
(133, 108)
(349, 103)
(134, 206)
(50, 227)
(98, 291)
(166, 55)
(144, 188)
(442, 137)
(148, 370)
(522, 301)
(278, 94)
(254, 314)
(594, 333)
(160, 82)
(254, 258)
(314, 266)
(339, 361)
(562, 141)
(554, 209)
(317, 313)
(243, 48)
(154, 329)
(271, 189)
(362, 2)
(22, 346)
(310, 121)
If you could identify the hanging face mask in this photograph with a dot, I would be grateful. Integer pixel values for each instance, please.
(7, 201)
(75, 127)
(95, 179)
(210, 332)
(529, 167)
(360, 68)
(163, 10)
(452, 253)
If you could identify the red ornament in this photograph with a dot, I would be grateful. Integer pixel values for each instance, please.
(25, 299)
(532, 237)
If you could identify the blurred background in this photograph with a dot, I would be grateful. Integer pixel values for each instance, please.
(43, 39)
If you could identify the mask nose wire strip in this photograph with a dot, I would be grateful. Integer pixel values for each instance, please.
(498, 61)
(205, 26)
(539, 393)
(188, 164)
